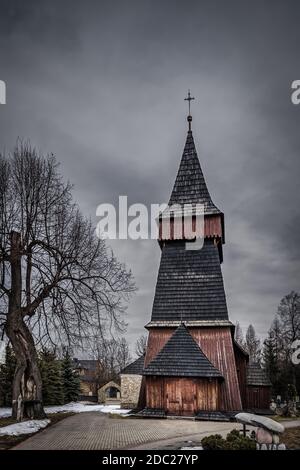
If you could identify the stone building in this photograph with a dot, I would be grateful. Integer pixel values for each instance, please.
(131, 380)
(109, 393)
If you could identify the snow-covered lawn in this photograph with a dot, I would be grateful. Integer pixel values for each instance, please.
(5, 412)
(81, 407)
(26, 427)
(75, 407)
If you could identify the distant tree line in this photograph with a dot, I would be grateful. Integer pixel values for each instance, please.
(61, 383)
(112, 355)
(276, 351)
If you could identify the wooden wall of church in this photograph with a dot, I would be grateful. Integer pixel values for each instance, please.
(241, 368)
(217, 345)
(182, 395)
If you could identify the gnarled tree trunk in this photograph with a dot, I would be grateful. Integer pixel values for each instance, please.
(27, 383)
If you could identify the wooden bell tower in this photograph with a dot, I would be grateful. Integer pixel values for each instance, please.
(190, 364)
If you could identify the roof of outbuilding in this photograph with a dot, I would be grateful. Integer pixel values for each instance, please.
(190, 186)
(135, 368)
(189, 284)
(87, 364)
(181, 357)
(257, 376)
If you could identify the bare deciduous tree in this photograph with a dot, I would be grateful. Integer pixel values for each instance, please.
(112, 356)
(288, 317)
(58, 282)
(140, 345)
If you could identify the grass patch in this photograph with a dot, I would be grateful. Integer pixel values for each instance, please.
(291, 438)
(6, 421)
(280, 418)
(115, 416)
(7, 442)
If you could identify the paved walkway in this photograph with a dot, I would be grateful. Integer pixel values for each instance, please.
(95, 431)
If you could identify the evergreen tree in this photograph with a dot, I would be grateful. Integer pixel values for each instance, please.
(238, 335)
(7, 371)
(252, 345)
(50, 367)
(71, 380)
(271, 361)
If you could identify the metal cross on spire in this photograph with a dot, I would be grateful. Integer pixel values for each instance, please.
(189, 99)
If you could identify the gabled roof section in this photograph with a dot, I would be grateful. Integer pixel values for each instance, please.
(190, 186)
(189, 284)
(256, 375)
(181, 357)
(135, 368)
(87, 364)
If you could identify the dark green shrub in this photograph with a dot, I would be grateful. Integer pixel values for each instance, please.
(233, 441)
(213, 442)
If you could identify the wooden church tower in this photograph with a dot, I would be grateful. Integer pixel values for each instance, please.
(190, 364)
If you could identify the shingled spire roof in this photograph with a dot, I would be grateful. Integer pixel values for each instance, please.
(190, 186)
(189, 285)
(181, 357)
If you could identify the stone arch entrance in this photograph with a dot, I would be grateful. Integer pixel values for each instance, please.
(110, 393)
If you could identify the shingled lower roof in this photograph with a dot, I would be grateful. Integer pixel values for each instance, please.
(190, 186)
(189, 284)
(257, 376)
(181, 357)
(135, 368)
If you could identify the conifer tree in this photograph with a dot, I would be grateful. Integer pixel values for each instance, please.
(50, 366)
(271, 362)
(7, 371)
(70, 378)
(238, 335)
(252, 344)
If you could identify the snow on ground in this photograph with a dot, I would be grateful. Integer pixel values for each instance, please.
(5, 412)
(192, 448)
(81, 407)
(74, 407)
(26, 427)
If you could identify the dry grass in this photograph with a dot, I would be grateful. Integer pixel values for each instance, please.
(291, 438)
(115, 416)
(281, 418)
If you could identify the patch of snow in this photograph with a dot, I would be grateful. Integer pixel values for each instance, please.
(25, 427)
(81, 407)
(2, 351)
(74, 407)
(5, 412)
(191, 448)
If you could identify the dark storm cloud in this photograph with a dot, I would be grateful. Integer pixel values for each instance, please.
(101, 85)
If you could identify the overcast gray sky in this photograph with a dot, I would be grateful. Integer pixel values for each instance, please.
(101, 85)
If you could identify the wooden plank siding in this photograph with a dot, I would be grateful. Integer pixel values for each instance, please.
(216, 344)
(258, 397)
(175, 229)
(241, 368)
(181, 395)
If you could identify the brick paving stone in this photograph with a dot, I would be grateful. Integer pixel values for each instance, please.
(95, 431)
